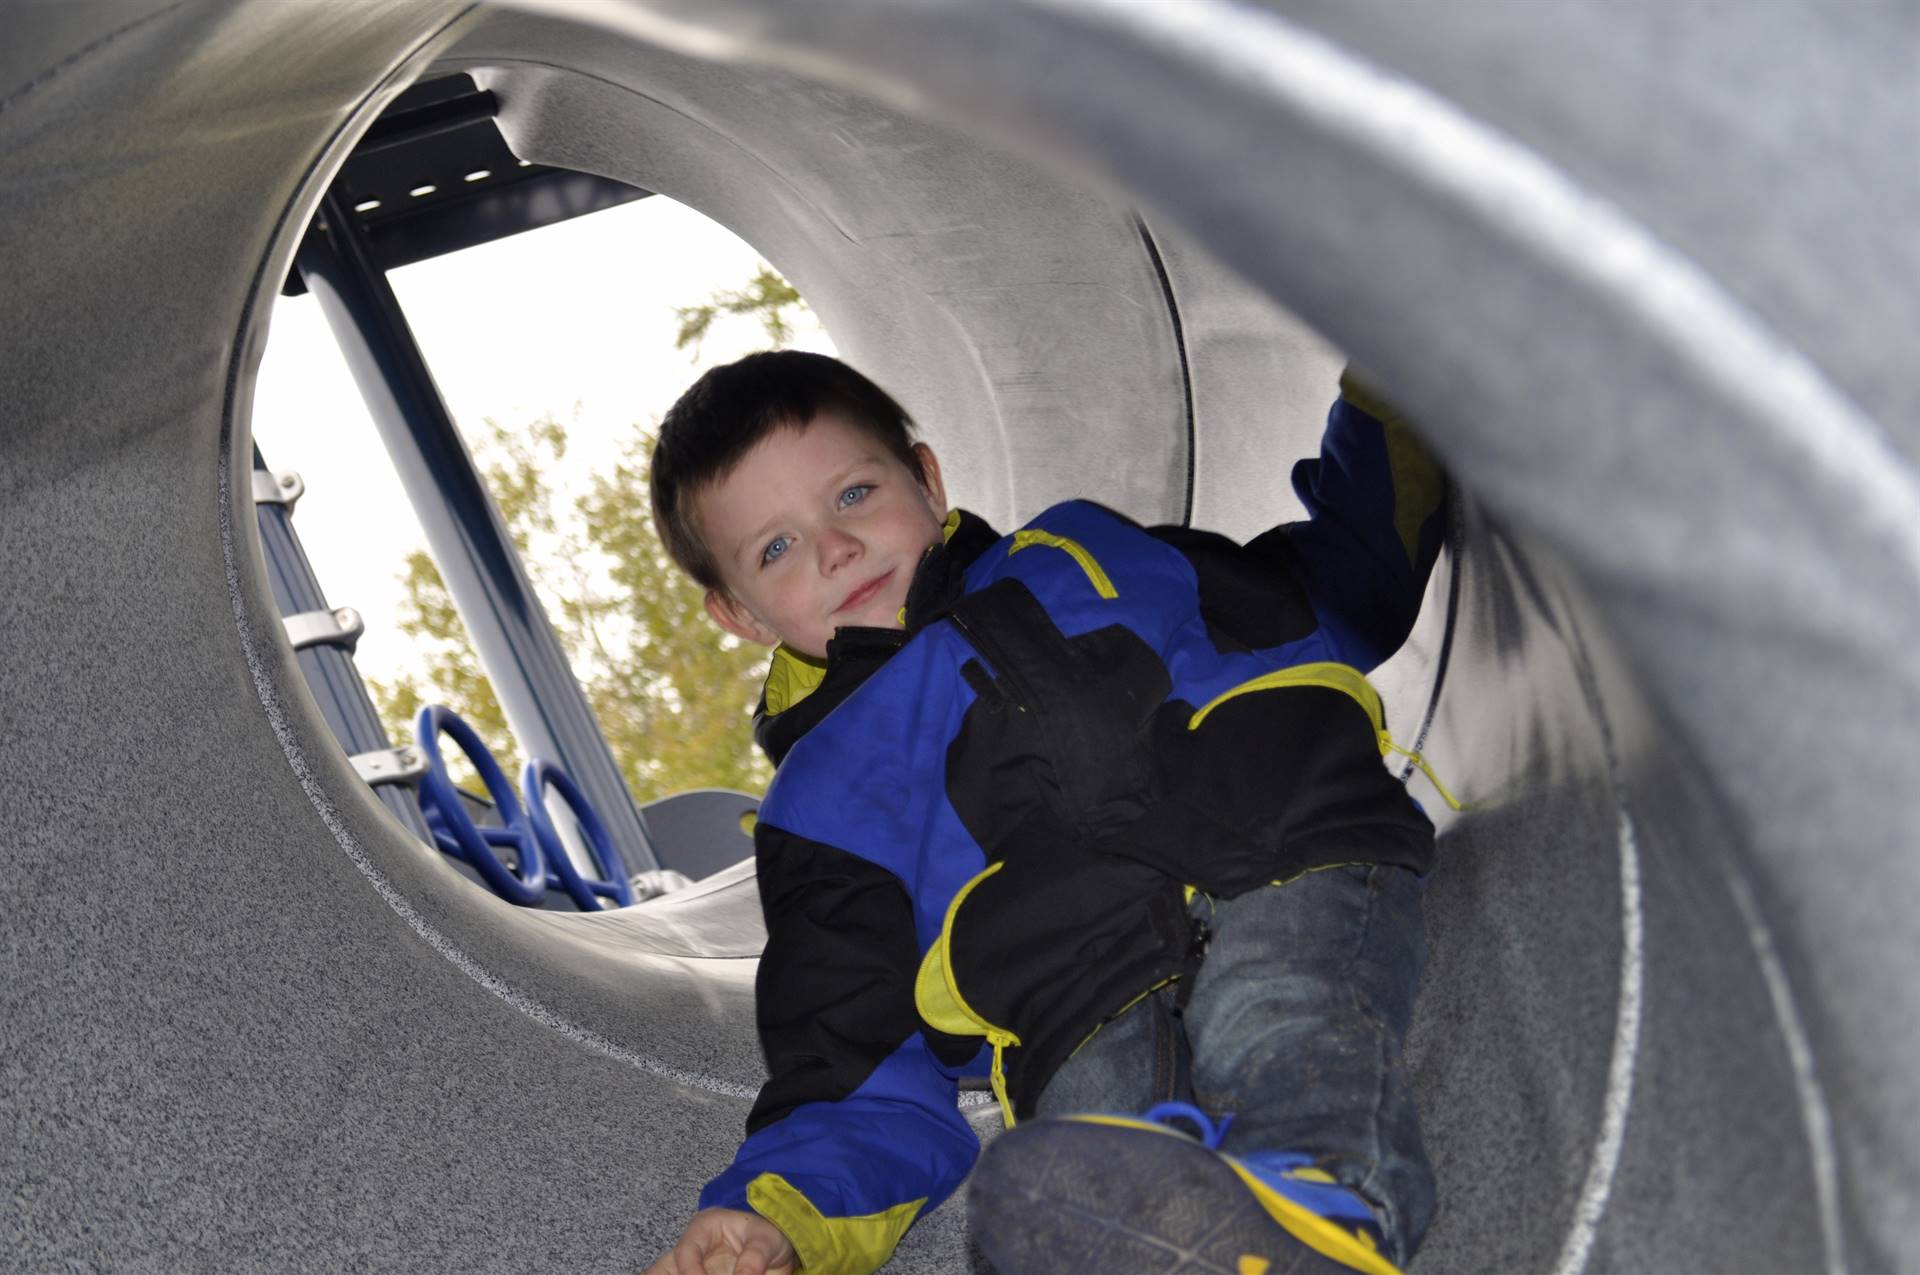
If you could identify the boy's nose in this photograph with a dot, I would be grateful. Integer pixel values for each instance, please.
(837, 549)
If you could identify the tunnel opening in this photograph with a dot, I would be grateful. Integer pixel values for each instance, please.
(1639, 1022)
(432, 177)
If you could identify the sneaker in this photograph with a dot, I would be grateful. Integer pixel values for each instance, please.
(1126, 1195)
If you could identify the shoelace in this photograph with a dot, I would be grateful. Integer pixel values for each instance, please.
(1290, 1174)
(1210, 1133)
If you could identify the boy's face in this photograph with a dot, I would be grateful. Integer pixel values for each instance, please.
(817, 528)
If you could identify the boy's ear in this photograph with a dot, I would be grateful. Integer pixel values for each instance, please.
(930, 481)
(737, 620)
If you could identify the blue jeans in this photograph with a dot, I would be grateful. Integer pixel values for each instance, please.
(1294, 1024)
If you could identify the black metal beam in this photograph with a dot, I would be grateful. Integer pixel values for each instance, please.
(529, 670)
(433, 175)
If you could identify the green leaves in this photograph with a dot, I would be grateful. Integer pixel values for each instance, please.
(766, 295)
(673, 694)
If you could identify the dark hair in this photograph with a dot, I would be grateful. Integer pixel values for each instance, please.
(730, 409)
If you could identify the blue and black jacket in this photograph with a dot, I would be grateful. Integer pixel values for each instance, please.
(983, 829)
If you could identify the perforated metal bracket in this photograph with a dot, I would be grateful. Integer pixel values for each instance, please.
(282, 488)
(339, 627)
(391, 766)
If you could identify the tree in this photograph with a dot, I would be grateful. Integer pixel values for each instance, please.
(672, 692)
(766, 296)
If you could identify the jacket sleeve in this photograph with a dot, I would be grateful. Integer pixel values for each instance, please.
(857, 1132)
(1376, 502)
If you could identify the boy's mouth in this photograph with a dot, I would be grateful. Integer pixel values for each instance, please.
(864, 594)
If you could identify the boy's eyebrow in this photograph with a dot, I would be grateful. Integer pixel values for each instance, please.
(753, 537)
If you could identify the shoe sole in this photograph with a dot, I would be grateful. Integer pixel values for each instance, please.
(1127, 1199)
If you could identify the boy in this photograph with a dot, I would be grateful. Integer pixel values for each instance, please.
(1094, 809)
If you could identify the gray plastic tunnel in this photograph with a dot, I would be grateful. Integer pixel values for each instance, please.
(1646, 272)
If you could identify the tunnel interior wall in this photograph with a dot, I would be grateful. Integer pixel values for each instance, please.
(250, 1021)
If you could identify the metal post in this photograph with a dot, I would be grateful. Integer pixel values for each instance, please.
(328, 667)
(523, 659)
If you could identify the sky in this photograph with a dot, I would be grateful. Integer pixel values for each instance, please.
(575, 319)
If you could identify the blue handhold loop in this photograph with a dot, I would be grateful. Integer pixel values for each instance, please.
(454, 829)
(586, 892)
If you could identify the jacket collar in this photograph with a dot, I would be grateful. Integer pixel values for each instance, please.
(800, 690)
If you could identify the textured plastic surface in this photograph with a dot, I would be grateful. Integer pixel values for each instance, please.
(1643, 272)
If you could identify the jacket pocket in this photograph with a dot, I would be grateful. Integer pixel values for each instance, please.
(1036, 950)
(936, 994)
(1349, 681)
(1275, 776)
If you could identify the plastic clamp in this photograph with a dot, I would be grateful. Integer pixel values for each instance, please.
(339, 627)
(390, 766)
(283, 488)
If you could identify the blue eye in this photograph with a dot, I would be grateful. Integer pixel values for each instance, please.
(774, 550)
(855, 494)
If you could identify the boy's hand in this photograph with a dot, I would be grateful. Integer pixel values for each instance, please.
(728, 1242)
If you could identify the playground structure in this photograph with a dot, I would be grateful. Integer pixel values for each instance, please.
(1644, 274)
